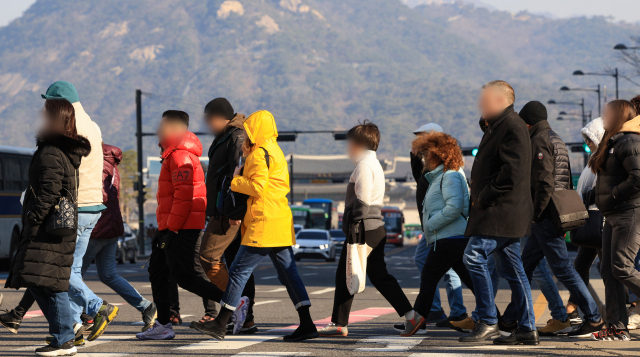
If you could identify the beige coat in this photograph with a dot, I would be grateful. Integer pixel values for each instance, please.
(90, 172)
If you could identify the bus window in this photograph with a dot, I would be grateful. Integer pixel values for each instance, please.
(12, 174)
(1, 177)
(25, 163)
(393, 222)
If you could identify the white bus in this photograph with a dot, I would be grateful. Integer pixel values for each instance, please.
(14, 178)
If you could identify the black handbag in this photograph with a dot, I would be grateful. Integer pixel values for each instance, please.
(589, 235)
(567, 209)
(61, 222)
(235, 204)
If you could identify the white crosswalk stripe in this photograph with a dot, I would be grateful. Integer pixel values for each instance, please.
(272, 354)
(266, 302)
(233, 342)
(323, 291)
(392, 343)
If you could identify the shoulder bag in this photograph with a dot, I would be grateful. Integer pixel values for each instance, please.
(235, 204)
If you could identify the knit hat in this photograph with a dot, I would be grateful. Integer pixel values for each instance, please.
(62, 90)
(220, 106)
(533, 113)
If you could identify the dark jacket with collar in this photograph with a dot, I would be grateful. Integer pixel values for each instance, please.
(422, 184)
(549, 169)
(618, 185)
(501, 203)
(224, 153)
(43, 260)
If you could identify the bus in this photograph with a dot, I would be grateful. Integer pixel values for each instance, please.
(329, 208)
(14, 179)
(318, 218)
(394, 225)
(301, 216)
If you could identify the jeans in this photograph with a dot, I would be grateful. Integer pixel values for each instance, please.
(250, 287)
(620, 245)
(633, 297)
(377, 272)
(82, 298)
(55, 308)
(452, 282)
(104, 253)
(510, 266)
(439, 261)
(248, 259)
(583, 262)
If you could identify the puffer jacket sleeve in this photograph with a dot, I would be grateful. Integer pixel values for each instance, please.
(630, 158)
(50, 176)
(182, 180)
(255, 177)
(453, 196)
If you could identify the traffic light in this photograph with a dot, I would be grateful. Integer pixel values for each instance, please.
(587, 149)
(474, 152)
(470, 152)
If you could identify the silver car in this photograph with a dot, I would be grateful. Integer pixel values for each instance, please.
(314, 243)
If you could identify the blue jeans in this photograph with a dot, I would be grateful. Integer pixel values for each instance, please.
(55, 308)
(633, 297)
(82, 298)
(452, 282)
(248, 259)
(510, 267)
(545, 241)
(104, 252)
(495, 282)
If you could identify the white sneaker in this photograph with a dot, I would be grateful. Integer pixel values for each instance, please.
(634, 321)
(158, 332)
(240, 315)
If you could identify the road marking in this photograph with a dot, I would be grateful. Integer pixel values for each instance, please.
(233, 342)
(435, 354)
(32, 314)
(416, 277)
(539, 306)
(356, 316)
(100, 354)
(274, 354)
(323, 291)
(269, 277)
(101, 340)
(492, 347)
(310, 274)
(275, 290)
(142, 322)
(392, 343)
(266, 302)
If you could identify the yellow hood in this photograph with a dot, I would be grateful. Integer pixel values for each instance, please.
(260, 127)
(632, 126)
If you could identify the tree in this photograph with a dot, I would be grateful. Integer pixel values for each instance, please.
(632, 57)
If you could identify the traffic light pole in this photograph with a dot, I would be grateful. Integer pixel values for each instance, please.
(141, 228)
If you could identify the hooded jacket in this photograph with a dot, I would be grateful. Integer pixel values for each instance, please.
(224, 153)
(90, 189)
(500, 179)
(618, 184)
(182, 195)
(594, 131)
(110, 224)
(268, 221)
(44, 260)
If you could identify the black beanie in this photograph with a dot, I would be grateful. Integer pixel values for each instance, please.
(533, 113)
(220, 106)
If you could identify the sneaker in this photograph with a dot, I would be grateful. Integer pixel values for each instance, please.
(586, 329)
(105, 316)
(519, 337)
(611, 334)
(174, 318)
(555, 327)
(149, 316)
(240, 315)
(158, 332)
(10, 320)
(249, 328)
(67, 349)
(634, 321)
(434, 317)
(87, 323)
(506, 329)
(400, 328)
(205, 318)
(78, 341)
(333, 330)
(466, 326)
(445, 322)
(574, 318)
(413, 325)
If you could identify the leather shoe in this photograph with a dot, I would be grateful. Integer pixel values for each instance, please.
(519, 337)
(481, 333)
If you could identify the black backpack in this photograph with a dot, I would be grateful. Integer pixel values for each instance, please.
(235, 204)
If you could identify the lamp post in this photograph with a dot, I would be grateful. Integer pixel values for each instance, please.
(623, 47)
(615, 75)
(597, 90)
(584, 118)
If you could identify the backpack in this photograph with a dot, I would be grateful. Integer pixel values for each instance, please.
(234, 203)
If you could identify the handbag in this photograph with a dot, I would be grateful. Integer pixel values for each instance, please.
(235, 203)
(567, 209)
(589, 235)
(357, 253)
(61, 222)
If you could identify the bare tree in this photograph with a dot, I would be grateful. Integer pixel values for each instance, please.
(632, 58)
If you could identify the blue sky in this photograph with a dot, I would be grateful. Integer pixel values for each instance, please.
(627, 10)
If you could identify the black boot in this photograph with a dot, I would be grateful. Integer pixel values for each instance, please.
(481, 333)
(519, 337)
(216, 328)
(307, 329)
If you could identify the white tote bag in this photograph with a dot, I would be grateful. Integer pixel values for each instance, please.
(357, 267)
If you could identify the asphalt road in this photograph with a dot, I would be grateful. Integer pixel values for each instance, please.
(371, 335)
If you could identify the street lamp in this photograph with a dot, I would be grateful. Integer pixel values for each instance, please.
(615, 75)
(623, 47)
(597, 90)
(584, 118)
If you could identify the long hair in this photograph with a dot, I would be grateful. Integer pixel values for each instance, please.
(623, 112)
(442, 146)
(63, 116)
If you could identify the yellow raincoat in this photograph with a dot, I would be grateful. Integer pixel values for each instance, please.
(268, 222)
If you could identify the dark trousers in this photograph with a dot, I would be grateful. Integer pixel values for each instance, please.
(176, 261)
(620, 245)
(583, 262)
(377, 272)
(25, 303)
(444, 255)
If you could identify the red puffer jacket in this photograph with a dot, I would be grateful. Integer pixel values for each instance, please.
(110, 224)
(182, 194)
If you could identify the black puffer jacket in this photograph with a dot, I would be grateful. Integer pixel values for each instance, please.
(422, 184)
(562, 174)
(43, 260)
(618, 185)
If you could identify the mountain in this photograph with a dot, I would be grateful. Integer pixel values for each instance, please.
(316, 64)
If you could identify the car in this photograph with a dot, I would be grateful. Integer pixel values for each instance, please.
(127, 247)
(338, 237)
(314, 243)
(297, 228)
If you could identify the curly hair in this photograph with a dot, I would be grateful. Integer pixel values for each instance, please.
(443, 146)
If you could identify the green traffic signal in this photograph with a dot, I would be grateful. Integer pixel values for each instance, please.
(474, 152)
(587, 149)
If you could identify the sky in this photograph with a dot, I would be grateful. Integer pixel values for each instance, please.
(627, 10)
